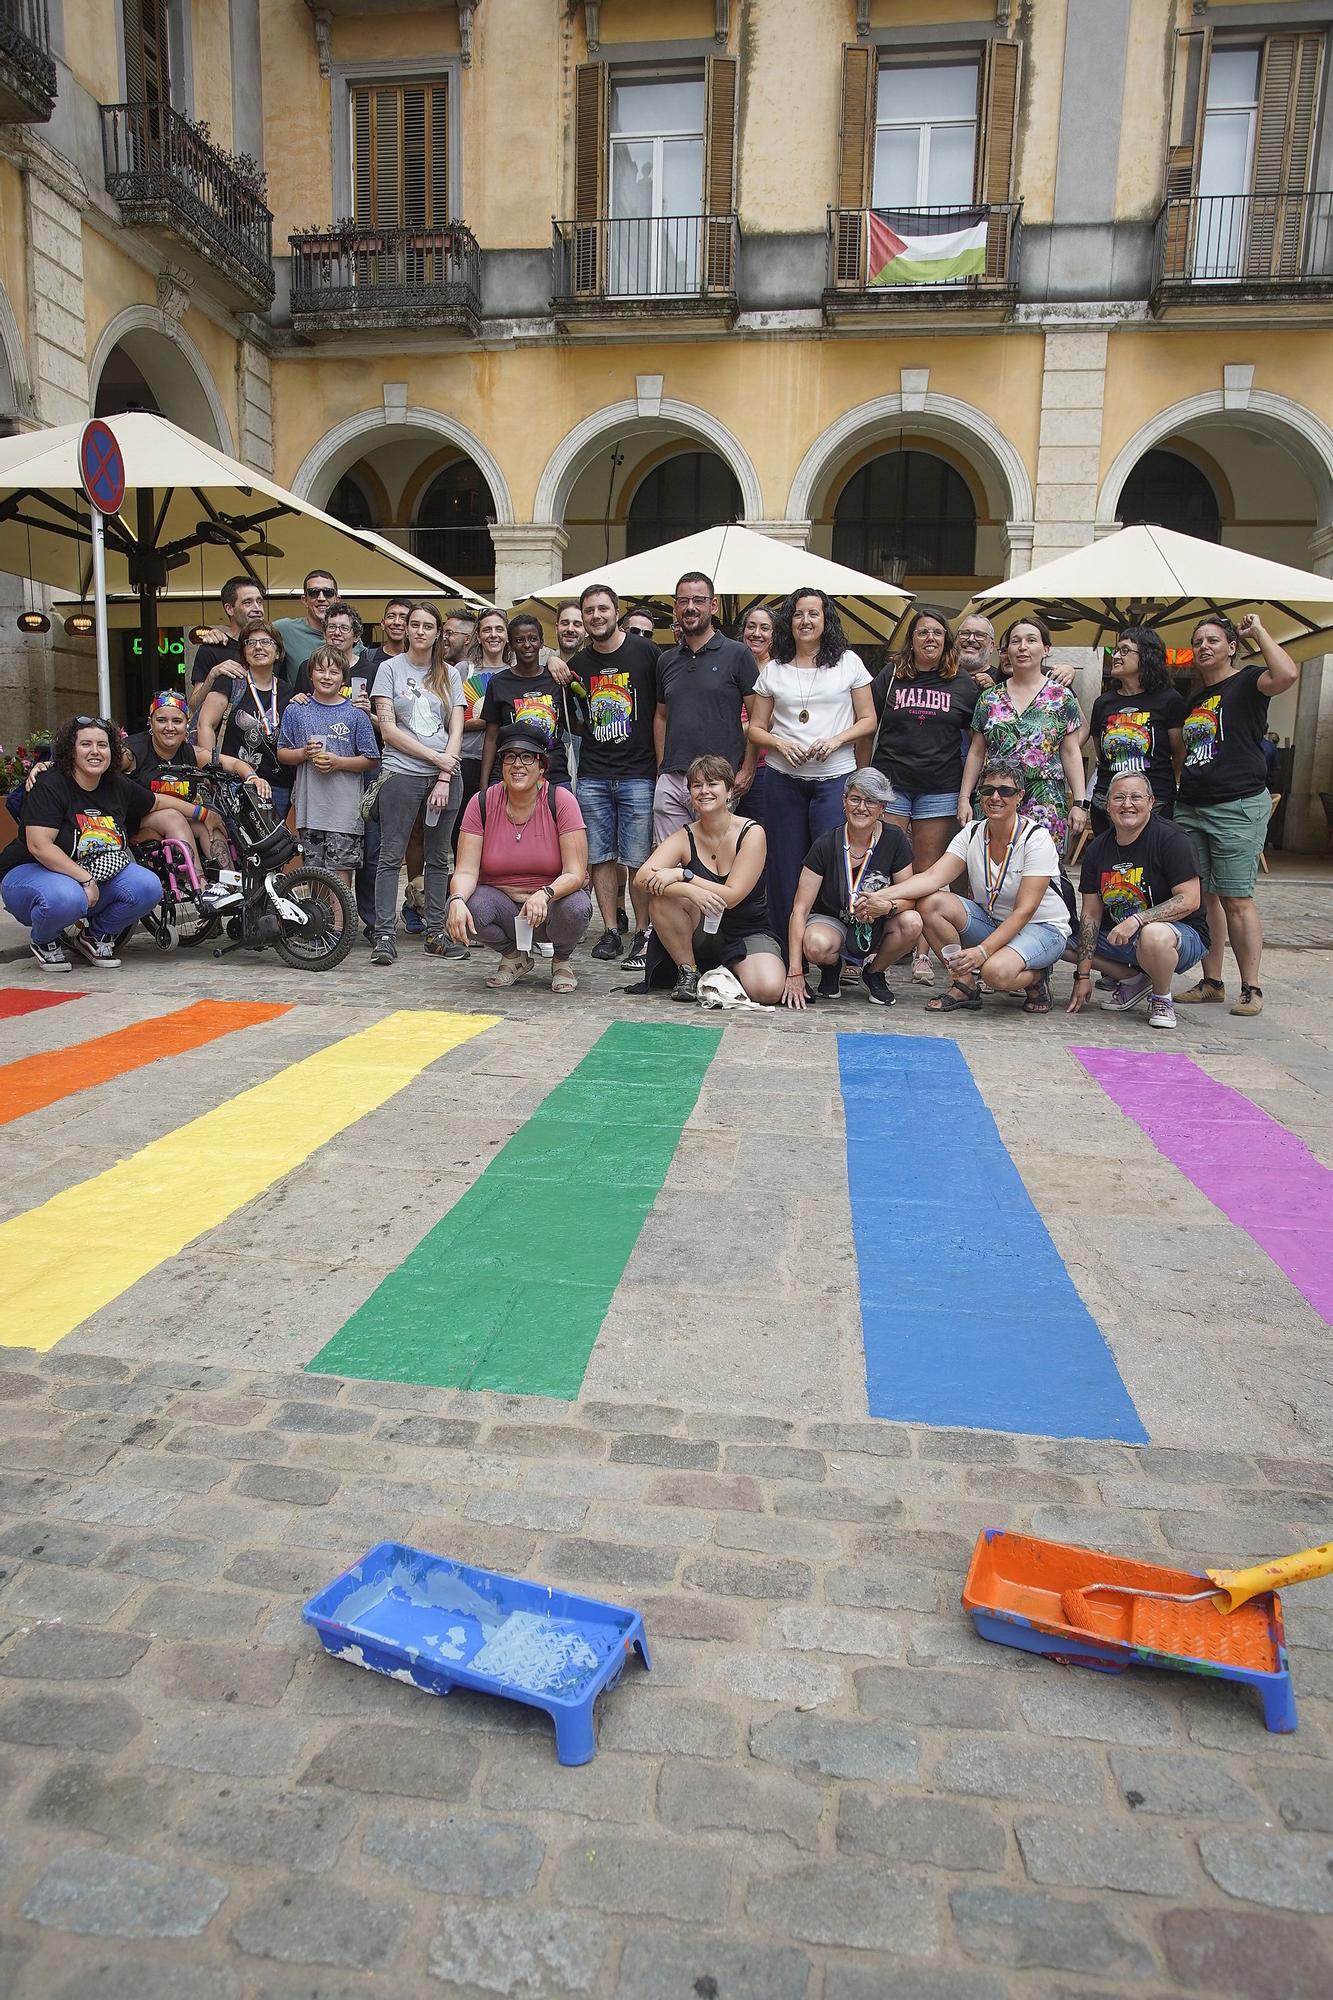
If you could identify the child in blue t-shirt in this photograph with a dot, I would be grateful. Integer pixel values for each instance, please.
(332, 745)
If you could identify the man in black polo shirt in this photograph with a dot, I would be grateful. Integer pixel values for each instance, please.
(701, 688)
(219, 657)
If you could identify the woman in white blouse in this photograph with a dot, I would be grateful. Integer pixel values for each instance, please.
(810, 707)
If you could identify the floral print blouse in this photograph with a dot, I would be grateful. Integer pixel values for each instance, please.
(1032, 740)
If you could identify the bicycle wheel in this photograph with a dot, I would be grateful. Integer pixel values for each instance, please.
(329, 931)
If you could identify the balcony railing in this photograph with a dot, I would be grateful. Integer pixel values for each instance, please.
(1243, 241)
(617, 263)
(166, 176)
(349, 277)
(886, 253)
(27, 73)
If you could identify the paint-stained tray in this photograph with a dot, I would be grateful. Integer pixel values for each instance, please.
(440, 1625)
(1014, 1591)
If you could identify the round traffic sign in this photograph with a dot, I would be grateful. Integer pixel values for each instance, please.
(101, 467)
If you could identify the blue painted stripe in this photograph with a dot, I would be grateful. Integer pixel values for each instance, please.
(969, 1315)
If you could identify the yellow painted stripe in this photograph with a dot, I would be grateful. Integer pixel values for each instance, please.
(67, 1259)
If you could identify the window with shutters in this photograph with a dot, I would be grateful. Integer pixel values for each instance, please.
(147, 62)
(400, 154)
(656, 183)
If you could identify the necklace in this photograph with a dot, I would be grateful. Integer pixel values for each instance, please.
(520, 826)
(272, 712)
(803, 714)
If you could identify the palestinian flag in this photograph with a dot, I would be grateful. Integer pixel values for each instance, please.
(911, 247)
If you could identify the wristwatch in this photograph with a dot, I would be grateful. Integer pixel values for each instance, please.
(687, 874)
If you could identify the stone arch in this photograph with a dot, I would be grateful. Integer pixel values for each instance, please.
(174, 369)
(953, 422)
(1307, 437)
(348, 441)
(620, 421)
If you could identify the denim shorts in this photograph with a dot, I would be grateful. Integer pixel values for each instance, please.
(922, 805)
(618, 813)
(1189, 948)
(1038, 945)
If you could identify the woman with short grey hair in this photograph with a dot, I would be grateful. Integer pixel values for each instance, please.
(843, 912)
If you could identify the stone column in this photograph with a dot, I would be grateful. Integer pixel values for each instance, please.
(1305, 829)
(795, 533)
(528, 557)
(1069, 465)
(254, 405)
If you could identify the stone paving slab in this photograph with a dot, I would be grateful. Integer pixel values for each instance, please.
(828, 1789)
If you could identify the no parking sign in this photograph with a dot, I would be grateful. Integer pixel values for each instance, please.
(102, 471)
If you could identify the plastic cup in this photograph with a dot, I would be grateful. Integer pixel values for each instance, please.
(713, 922)
(949, 952)
(522, 933)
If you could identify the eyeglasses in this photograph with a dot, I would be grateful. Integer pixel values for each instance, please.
(999, 791)
(520, 757)
(860, 799)
(320, 590)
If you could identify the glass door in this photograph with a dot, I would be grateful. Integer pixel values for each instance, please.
(1226, 163)
(656, 180)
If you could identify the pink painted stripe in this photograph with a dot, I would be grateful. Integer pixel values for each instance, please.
(1262, 1177)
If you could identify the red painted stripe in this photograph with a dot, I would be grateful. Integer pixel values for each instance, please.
(16, 1000)
(36, 1081)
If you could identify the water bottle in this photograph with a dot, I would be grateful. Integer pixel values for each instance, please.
(432, 815)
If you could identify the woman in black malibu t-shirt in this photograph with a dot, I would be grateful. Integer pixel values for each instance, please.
(1223, 801)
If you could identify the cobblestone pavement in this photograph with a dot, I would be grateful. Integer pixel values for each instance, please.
(827, 1789)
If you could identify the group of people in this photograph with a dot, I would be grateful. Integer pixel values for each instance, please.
(761, 804)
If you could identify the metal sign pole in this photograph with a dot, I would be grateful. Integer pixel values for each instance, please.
(99, 609)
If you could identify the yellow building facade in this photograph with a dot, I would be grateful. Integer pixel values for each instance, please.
(943, 287)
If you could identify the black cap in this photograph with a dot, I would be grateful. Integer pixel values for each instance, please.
(519, 736)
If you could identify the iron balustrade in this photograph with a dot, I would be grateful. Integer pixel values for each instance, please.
(154, 159)
(25, 47)
(1244, 239)
(851, 257)
(661, 257)
(415, 274)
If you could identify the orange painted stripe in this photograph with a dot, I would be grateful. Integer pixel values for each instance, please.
(36, 1081)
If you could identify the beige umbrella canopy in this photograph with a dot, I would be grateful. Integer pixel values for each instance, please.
(746, 569)
(1153, 576)
(192, 517)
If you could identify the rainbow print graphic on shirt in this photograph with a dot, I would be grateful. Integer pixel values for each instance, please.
(537, 711)
(1123, 894)
(98, 834)
(610, 707)
(1203, 731)
(474, 692)
(1127, 740)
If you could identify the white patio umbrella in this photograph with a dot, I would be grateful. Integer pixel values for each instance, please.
(746, 568)
(1154, 576)
(192, 517)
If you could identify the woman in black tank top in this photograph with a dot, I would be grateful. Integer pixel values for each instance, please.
(714, 869)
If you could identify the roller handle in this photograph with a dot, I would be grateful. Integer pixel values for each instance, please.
(1238, 1586)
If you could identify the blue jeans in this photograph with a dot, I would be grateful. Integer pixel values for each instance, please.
(794, 812)
(48, 902)
(618, 813)
(1189, 948)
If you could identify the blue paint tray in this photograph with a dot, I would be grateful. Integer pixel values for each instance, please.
(439, 1625)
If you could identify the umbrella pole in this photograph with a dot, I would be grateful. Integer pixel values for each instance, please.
(144, 534)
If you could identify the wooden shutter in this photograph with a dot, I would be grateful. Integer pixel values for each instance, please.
(856, 156)
(400, 155)
(719, 173)
(1184, 139)
(590, 171)
(1288, 103)
(147, 61)
(997, 149)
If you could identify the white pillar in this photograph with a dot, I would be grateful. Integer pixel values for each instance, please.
(1069, 443)
(528, 557)
(1305, 829)
(795, 533)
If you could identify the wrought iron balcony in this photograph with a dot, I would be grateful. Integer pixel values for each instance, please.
(626, 267)
(175, 184)
(882, 259)
(27, 73)
(1223, 248)
(348, 278)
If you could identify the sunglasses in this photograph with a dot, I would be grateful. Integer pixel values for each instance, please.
(319, 590)
(999, 791)
(95, 722)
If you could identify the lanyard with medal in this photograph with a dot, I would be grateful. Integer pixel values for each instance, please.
(860, 932)
(993, 893)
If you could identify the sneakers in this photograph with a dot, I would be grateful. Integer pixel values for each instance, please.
(438, 945)
(383, 951)
(217, 896)
(636, 959)
(1161, 1011)
(878, 990)
(1207, 992)
(1128, 994)
(923, 972)
(412, 923)
(830, 983)
(1251, 1001)
(608, 947)
(51, 956)
(99, 951)
(687, 983)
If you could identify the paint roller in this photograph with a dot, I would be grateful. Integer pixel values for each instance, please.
(1230, 1587)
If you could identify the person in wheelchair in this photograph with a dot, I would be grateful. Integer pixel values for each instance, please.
(163, 758)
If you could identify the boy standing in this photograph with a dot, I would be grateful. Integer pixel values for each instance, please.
(332, 744)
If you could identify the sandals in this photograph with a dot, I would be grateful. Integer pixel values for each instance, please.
(963, 995)
(512, 966)
(1038, 998)
(562, 977)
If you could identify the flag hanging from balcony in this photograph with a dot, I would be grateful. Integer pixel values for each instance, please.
(914, 247)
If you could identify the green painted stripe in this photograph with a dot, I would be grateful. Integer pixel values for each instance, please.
(509, 1290)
